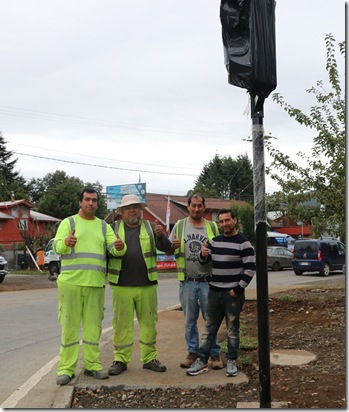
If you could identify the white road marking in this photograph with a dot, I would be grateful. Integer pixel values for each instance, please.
(13, 400)
(22, 391)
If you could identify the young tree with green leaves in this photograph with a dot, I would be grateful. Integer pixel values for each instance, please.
(323, 177)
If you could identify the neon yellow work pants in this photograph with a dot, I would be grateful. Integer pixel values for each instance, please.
(127, 300)
(76, 305)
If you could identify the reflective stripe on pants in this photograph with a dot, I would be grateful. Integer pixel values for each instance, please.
(126, 301)
(76, 305)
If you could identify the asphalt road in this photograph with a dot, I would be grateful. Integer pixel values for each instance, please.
(30, 332)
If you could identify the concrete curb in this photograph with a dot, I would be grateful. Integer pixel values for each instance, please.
(64, 397)
(256, 405)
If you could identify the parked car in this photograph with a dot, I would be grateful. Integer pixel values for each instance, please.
(52, 261)
(3, 268)
(279, 257)
(318, 255)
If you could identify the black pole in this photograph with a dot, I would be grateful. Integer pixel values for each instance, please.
(261, 250)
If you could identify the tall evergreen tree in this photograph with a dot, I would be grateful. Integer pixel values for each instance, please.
(227, 178)
(11, 182)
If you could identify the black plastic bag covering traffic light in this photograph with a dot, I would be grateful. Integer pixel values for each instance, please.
(248, 31)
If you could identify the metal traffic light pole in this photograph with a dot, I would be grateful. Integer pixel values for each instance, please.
(261, 249)
(248, 34)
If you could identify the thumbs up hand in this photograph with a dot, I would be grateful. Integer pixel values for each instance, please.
(71, 239)
(119, 244)
(176, 242)
(159, 230)
(205, 251)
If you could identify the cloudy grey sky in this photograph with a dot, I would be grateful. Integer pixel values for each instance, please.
(118, 90)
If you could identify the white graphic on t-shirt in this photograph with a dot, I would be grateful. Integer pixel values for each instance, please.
(195, 248)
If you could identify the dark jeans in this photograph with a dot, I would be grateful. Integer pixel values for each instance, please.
(219, 305)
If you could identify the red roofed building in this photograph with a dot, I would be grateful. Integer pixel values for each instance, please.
(18, 224)
(18, 221)
(157, 207)
(288, 226)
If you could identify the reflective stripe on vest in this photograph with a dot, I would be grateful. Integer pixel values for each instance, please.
(83, 255)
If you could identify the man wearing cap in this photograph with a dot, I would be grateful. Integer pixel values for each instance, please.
(133, 279)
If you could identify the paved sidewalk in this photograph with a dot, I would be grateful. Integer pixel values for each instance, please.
(171, 350)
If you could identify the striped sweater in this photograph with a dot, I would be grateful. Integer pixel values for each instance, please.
(233, 262)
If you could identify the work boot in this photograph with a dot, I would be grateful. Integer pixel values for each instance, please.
(216, 362)
(101, 374)
(64, 379)
(155, 366)
(189, 360)
(117, 367)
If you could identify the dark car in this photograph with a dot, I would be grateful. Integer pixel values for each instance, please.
(279, 257)
(318, 255)
(3, 268)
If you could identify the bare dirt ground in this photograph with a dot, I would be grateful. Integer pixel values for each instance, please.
(23, 282)
(311, 319)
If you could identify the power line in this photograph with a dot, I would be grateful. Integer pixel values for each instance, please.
(96, 157)
(105, 167)
(35, 114)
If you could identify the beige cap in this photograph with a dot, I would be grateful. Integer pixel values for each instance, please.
(128, 200)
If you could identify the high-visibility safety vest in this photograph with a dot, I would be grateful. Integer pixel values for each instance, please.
(81, 267)
(148, 247)
(212, 231)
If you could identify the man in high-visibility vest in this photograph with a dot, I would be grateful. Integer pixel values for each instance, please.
(82, 241)
(133, 279)
(188, 236)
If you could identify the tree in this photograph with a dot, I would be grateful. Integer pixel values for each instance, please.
(60, 198)
(202, 190)
(226, 178)
(11, 183)
(36, 189)
(245, 219)
(56, 194)
(323, 177)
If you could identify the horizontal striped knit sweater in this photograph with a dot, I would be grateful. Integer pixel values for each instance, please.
(233, 262)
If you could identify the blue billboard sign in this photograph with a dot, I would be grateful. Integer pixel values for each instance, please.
(116, 193)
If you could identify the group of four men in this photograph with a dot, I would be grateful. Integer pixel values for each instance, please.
(213, 270)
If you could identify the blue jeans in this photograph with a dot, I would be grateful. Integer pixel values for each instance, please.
(193, 298)
(219, 305)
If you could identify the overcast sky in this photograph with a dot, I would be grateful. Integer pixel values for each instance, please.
(140, 89)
